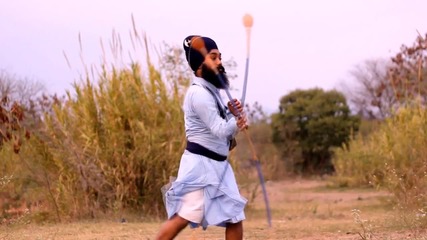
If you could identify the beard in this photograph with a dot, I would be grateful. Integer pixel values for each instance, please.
(210, 76)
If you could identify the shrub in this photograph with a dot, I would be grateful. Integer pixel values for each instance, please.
(108, 146)
(392, 157)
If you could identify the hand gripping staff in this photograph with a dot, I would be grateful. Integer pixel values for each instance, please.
(199, 45)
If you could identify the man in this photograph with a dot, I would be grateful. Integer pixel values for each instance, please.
(205, 192)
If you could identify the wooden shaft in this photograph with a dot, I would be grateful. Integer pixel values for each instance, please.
(251, 145)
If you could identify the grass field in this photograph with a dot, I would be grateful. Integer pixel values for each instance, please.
(302, 209)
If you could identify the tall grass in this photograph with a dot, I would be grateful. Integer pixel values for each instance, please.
(109, 146)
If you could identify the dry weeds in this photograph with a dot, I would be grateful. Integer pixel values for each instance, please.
(302, 209)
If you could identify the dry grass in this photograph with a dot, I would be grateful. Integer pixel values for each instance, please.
(301, 210)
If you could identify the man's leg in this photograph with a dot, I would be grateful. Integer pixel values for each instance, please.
(191, 210)
(234, 231)
(171, 228)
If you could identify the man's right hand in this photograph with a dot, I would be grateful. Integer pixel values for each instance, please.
(236, 104)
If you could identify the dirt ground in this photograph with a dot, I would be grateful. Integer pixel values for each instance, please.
(301, 209)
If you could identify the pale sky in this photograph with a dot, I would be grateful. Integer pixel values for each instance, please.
(297, 44)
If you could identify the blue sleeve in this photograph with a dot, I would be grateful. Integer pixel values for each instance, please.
(204, 105)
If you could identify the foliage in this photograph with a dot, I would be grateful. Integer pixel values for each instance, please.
(364, 224)
(174, 67)
(18, 89)
(393, 157)
(14, 136)
(379, 87)
(11, 129)
(370, 94)
(107, 147)
(259, 132)
(409, 72)
(310, 123)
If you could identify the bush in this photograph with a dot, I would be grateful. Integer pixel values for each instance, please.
(392, 157)
(108, 146)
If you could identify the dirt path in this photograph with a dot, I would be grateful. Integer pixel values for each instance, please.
(306, 210)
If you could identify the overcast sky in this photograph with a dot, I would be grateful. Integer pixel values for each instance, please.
(294, 44)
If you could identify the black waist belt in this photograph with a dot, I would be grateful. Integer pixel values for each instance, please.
(199, 149)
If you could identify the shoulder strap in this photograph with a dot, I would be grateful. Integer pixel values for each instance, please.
(221, 109)
(222, 112)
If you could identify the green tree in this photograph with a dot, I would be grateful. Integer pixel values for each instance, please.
(309, 124)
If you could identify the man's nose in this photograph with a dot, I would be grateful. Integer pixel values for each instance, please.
(217, 61)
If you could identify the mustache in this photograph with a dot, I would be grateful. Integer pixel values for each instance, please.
(226, 83)
(221, 69)
(210, 76)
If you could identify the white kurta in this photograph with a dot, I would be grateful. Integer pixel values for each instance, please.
(204, 126)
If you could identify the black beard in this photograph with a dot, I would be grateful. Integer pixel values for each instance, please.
(210, 76)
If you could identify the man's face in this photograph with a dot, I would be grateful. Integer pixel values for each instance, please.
(214, 61)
